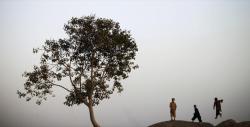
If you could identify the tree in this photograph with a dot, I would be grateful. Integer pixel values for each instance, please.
(95, 57)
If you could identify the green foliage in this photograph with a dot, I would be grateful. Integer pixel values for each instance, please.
(95, 57)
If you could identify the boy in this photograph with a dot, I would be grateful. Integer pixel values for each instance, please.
(172, 107)
(217, 106)
(196, 114)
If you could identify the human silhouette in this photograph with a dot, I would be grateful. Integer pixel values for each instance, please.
(217, 106)
(172, 107)
(196, 114)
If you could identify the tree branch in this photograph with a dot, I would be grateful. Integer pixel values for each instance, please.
(53, 84)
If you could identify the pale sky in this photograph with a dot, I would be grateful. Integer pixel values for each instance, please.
(192, 50)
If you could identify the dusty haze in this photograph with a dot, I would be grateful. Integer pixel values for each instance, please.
(188, 49)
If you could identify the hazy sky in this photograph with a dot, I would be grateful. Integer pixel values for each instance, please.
(192, 50)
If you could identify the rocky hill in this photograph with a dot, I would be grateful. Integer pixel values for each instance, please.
(178, 123)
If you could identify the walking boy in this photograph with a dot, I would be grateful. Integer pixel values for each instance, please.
(217, 106)
(196, 114)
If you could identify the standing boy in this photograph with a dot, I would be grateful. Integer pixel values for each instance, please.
(172, 107)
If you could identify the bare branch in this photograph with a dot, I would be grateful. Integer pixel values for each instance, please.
(61, 87)
(53, 84)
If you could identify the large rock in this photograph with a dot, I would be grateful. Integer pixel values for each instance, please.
(179, 123)
(243, 124)
(227, 123)
(232, 123)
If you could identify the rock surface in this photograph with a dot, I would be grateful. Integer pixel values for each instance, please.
(227, 123)
(243, 124)
(178, 123)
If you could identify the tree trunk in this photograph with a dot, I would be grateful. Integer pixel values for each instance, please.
(90, 106)
(92, 116)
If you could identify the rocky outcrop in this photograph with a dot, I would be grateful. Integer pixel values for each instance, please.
(243, 124)
(227, 123)
(178, 123)
(232, 123)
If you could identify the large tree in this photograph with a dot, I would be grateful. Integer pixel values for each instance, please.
(95, 57)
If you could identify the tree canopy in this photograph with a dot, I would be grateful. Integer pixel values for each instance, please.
(95, 57)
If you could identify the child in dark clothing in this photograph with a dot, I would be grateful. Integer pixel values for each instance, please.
(217, 106)
(196, 114)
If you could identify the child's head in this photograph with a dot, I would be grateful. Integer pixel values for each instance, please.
(173, 99)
